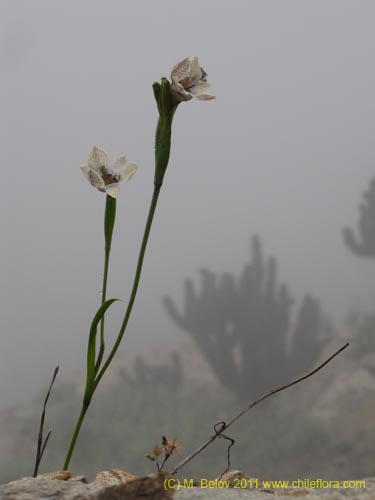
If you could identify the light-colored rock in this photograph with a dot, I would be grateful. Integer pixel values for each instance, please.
(367, 493)
(120, 485)
(64, 486)
(46, 486)
(231, 476)
(114, 476)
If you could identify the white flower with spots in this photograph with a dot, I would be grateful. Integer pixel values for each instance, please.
(190, 80)
(105, 177)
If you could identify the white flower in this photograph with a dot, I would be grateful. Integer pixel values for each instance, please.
(190, 80)
(104, 177)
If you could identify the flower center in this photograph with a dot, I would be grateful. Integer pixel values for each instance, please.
(107, 177)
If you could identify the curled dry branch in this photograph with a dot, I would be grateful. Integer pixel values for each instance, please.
(249, 407)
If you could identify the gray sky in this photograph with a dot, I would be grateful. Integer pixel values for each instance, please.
(286, 151)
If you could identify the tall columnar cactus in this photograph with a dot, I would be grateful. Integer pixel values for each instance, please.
(144, 374)
(243, 327)
(364, 331)
(365, 247)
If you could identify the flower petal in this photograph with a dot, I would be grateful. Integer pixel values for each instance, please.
(93, 177)
(205, 97)
(187, 72)
(85, 169)
(130, 170)
(195, 71)
(199, 88)
(180, 93)
(112, 189)
(98, 158)
(181, 70)
(120, 165)
(190, 80)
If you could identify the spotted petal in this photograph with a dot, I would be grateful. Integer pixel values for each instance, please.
(98, 158)
(179, 92)
(104, 177)
(181, 70)
(195, 71)
(187, 72)
(93, 177)
(189, 80)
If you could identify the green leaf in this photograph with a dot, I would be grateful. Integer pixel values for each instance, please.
(166, 99)
(91, 349)
(109, 221)
(162, 148)
(156, 89)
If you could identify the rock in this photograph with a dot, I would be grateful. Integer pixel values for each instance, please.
(231, 476)
(143, 488)
(114, 476)
(109, 485)
(46, 486)
(64, 475)
(120, 485)
(263, 493)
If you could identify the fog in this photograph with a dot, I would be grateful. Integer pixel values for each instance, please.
(285, 151)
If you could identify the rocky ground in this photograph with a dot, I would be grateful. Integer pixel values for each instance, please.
(327, 431)
(120, 485)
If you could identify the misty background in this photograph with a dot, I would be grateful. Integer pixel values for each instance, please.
(285, 151)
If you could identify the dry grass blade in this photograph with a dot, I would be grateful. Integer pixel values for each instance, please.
(42, 446)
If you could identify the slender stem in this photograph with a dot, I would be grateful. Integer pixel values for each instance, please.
(137, 276)
(104, 295)
(162, 152)
(249, 407)
(75, 435)
(109, 222)
(104, 292)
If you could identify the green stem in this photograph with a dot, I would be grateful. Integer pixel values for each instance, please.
(104, 294)
(109, 221)
(138, 272)
(142, 251)
(166, 106)
(75, 436)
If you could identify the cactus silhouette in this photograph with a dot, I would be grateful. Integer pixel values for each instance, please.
(364, 327)
(146, 375)
(243, 327)
(365, 247)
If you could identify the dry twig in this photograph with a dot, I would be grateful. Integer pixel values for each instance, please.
(225, 425)
(42, 445)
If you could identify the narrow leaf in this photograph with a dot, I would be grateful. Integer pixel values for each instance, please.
(109, 221)
(91, 349)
